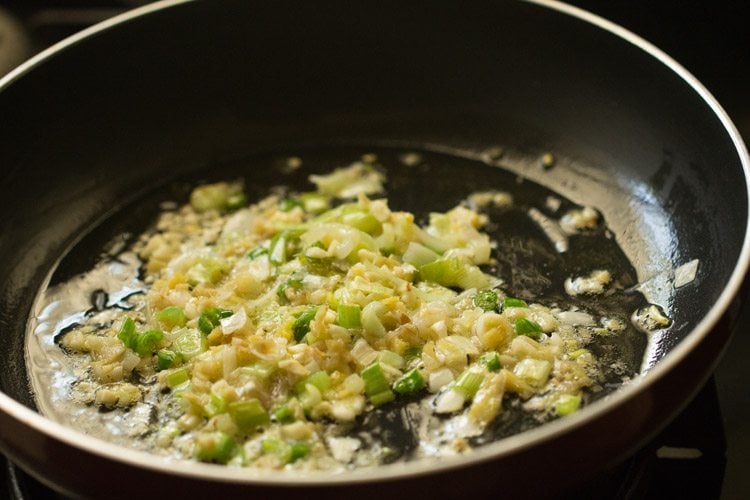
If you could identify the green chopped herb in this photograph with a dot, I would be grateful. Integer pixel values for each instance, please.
(529, 328)
(211, 318)
(283, 414)
(257, 252)
(513, 302)
(289, 204)
(486, 299)
(492, 361)
(127, 334)
(301, 324)
(410, 383)
(235, 202)
(166, 359)
(298, 450)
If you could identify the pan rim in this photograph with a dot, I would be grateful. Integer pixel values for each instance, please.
(508, 446)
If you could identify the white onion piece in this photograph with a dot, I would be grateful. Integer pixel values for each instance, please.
(233, 322)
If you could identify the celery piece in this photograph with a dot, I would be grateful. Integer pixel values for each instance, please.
(301, 325)
(513, 302)
(189, 343)
(248, 415)
(177, 377)
(147, 342)
(468, 383)
(410, 383)
(418, 255)
(214, 447)
(349, 315)
(491, 360)
(127, 334)
(567, 404)
(529, 328)
(172, 317)
(166, 358)
(486, 299)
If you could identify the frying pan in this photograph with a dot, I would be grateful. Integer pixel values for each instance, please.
(97, 130)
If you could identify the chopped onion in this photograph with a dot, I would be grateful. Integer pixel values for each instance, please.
(234, 322)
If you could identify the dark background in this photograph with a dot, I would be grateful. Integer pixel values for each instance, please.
(709, 38)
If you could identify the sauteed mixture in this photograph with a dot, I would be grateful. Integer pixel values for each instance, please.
(263, 334)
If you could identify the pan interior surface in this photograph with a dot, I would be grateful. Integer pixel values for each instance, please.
(533, 262)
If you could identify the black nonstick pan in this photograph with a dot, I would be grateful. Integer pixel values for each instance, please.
(96, 132)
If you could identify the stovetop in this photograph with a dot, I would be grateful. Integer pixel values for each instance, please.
(704, 453)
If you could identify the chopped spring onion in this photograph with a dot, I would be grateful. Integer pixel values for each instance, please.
(349, 315)
(529, 328)
(410, 383)
(363, 221)
(533, 371)
(491, 361)
(468, 383)
(451, 272)
(371, 319)
(235, 202)
(486, 299)
(376, 385)
(127, 333)
(513, 302)
(567, 404)
(288, 204)
(301, 325)
(166, 359)
(298, 450)
(248, 415)
(391, 358)
(315, 203)
(293, 282)
(257, 252)
(211, 318)
(177, 378)
(321, 380)
(172, 317)
(147, 342)
(418, 255)
(214, 447)
(284, 414)
(278, 251)
(189, 343)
